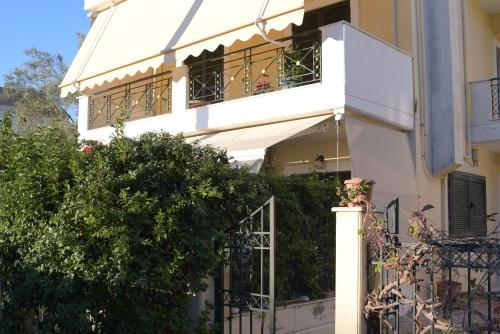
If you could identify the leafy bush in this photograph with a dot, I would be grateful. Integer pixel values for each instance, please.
(114, 238)
(305, 241)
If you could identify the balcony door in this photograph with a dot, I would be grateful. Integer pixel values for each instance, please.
(497, 49)
(321, 17)
(206, 77)
(308, 33)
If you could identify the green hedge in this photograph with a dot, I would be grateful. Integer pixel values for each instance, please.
(305, 225)
(117, 236)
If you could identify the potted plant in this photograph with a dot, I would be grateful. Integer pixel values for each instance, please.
(293, 69)
(262, 87)
(357, 192)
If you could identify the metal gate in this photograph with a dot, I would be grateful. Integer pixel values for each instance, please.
(246, 282)
(454, 284)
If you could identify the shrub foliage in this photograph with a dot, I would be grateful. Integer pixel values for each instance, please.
(114, 238)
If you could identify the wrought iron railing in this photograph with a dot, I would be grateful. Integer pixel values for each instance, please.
(256, 70)
(452, 280)
(135, 100)
(495, 98)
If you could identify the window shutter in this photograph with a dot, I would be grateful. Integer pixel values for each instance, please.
(477, 207)
(467, 204)
(459, 208)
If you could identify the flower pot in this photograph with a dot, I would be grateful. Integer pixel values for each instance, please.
(363, 197)
(198, 103)
(444, 292)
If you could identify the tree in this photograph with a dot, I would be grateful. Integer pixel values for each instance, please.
(33, 89)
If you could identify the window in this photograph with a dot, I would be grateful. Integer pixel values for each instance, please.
(467, 204)
(497, 49)
(206, 76)
(308, 33)
(322, 17)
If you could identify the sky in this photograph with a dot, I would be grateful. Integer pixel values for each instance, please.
(49, 25)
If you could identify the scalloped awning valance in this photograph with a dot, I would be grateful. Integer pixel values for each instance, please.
(137, 35)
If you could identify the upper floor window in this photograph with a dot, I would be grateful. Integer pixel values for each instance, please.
(321, 17)
(497, 49)
(206, 77)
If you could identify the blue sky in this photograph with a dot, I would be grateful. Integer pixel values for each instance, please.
(49, 25)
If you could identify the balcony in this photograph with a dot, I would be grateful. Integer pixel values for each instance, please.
(256, 70)
(147, 97)
(485, 122)
(340, 70)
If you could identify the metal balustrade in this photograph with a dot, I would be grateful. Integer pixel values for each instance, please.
(495, 99)
(139, 99)
(256, 70)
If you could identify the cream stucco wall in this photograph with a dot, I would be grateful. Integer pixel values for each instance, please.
(479, 65)
(479, 43)
(377, 17)
(480, 62)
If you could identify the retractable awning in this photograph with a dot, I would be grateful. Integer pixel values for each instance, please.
(137, 35)
(250, 144)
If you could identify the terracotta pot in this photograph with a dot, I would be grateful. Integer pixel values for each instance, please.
(198, 103)
(362, 198)
(444, 293)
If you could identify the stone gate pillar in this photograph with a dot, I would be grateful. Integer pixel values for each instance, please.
(350, 271)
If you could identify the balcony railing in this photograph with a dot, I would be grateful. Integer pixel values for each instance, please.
(256, 70)
(139, 99)
(495, 102)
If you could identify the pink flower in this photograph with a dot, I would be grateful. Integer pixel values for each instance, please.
(263, 85)
(87, 149)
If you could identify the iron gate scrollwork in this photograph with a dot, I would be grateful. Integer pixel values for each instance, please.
(246, 282)
(455, 285)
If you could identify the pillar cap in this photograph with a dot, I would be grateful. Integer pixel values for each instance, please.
(348, 209)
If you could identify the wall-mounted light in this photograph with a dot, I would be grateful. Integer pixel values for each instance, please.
(319, 162)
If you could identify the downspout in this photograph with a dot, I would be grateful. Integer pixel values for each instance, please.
(468, 110)
(260, 23)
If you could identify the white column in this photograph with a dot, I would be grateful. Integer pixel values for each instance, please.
(350, 272)
(179, 89)
(333, 64)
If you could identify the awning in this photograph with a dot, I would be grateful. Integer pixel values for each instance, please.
(137, 35)
(250, 144)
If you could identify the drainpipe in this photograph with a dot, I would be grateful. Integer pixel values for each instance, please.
(468, 110)
(260, 23)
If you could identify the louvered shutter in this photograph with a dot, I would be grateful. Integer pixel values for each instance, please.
(467, 204)
(477, 207)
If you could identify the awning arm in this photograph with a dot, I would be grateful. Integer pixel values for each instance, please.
(262, 29)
